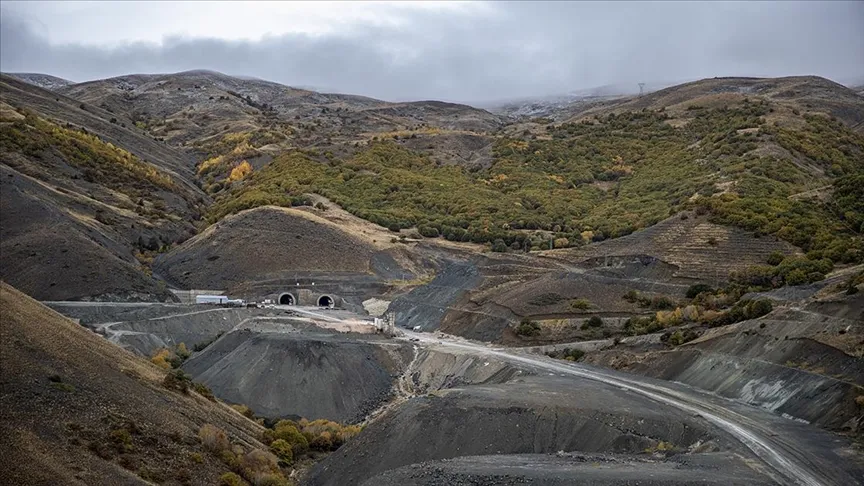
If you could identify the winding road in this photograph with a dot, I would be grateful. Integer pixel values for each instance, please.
(788, 451)
(795, 453)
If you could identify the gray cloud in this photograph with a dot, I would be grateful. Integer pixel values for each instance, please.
(514, 50)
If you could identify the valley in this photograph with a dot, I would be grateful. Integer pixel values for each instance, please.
(655, 289)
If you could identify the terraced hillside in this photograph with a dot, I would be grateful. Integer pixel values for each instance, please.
(695, 247)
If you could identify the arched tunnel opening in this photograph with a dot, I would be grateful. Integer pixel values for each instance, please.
(286, 299)
(325, 301)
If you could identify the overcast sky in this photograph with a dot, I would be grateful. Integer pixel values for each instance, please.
(453, 51)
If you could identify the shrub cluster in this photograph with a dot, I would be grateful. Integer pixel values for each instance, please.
(527, 328)
(790, 271)
(290, 440)
(592, 322)
(569, 354)
(256, 466)
(656, 302)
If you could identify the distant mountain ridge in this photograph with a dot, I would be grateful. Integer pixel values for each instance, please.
(42, 80)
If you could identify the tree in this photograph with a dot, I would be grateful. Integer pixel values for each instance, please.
(241, 171)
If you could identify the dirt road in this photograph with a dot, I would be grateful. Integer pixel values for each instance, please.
(795, 453)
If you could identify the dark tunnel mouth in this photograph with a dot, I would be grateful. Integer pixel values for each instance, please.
(326, 301)
(287, 299)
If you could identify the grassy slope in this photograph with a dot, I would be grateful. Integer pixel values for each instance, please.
(600, 179)
(77, 210)
(61, 430)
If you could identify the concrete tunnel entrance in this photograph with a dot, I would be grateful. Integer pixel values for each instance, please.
(287, 299)
(325, 301)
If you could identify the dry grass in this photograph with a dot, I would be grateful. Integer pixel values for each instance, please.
(113, 411)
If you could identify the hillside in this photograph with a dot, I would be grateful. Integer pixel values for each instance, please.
(806, 94)
(81, 214)
(752, 162)
(261, 244)
(79, 410)
(42, 80)
(771, 157)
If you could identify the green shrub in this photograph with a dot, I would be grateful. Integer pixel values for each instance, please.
(121, 439)
(231, 479)
(568, 354)
(528, 328)
(288, 431)
(322, 442)
(775, 258)
(177, 380)
(283, 451)
(593, 321)
(580, 304)
(694, 290)
(742, 311)
(204, 391)
(679, 337)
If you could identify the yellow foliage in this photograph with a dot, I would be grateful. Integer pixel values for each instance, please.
(587, 236)
(556, 178)
(210, 163)
(240, 172)
(160, 359)
(670, 318)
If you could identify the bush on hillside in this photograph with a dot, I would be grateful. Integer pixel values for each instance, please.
(177, 380)
(283, 451)
(580, 304)
(528, 328)
(592, 322)
(694, 290)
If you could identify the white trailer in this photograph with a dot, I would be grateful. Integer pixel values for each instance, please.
(211, 299)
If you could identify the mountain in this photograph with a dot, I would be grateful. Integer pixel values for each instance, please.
(800, 93)
(776, 157)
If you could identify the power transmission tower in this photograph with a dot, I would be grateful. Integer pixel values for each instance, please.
(641, 89)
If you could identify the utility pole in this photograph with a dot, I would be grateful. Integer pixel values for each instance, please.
(641, 89)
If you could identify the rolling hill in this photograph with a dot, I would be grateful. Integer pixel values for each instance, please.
(772, 157)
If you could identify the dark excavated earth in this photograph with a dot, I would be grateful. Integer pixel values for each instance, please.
(531, 415)
(300, 374)
(564, 469)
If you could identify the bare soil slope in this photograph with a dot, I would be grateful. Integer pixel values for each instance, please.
(67, 396)
(525, 416)
(261, 244)
(296, 374)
